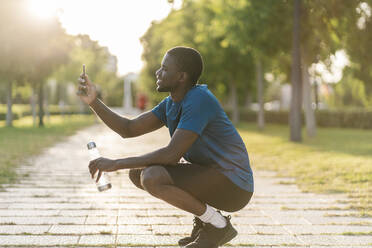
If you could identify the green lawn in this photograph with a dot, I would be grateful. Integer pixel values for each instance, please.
(23, 140)
(337, 160)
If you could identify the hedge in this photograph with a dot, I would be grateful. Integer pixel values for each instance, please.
(53, 110)
(325, 118)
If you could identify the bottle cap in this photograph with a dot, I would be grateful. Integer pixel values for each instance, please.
(91, 145)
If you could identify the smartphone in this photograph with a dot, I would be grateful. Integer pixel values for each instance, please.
(82, 91)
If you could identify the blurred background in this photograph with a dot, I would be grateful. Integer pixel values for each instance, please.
(294, 75)
(257, 59)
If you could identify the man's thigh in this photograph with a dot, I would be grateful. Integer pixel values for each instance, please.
(209, 186)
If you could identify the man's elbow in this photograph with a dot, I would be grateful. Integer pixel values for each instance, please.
(171, 157)
(126, 130)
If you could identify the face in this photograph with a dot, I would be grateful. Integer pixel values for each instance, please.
(167, 75)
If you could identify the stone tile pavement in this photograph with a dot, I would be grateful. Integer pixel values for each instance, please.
(56, 204)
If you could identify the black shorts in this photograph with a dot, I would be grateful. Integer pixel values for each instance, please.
(209, 186)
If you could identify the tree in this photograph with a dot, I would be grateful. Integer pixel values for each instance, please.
(252, 26)
(50, 49)
(191, 26)
(358, 41)
(14, 31)
(296, 102)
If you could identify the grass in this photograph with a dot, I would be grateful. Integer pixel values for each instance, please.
(336, 161)
(23, 140)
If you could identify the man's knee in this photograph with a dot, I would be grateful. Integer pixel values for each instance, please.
(153, 177)
(135, 177)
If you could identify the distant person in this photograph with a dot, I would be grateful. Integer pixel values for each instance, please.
(141, 101)
(217, 173)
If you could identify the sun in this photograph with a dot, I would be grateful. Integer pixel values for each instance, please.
(43, 9)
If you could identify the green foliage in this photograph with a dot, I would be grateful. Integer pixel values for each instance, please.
(349, 93)
(225, 64)
(358, 42)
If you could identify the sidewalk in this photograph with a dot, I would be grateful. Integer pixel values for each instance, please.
(56, 204)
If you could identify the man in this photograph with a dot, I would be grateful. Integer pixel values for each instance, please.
(217, 174)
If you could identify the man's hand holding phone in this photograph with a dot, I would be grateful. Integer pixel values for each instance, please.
(87, 90)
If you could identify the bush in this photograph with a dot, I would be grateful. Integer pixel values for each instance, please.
(20, 111)
(3, 116)
(324, 118)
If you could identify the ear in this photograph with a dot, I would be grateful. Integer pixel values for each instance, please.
(183, 77)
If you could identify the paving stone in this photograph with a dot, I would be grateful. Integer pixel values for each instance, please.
(97, 240)
(265, 240)
(23, 229)
(248, 213)
(49, 206)
(158, 240)
(29, 240)
(291, 220)
(253, 220)
(166, 212)
(356, 240)
(320, 239)
(10, 212)
(133, 212)
(339, 220)
(136, 229)
(327, 229)
(342, 246)
(88, 212)
(83, 229)
(171, 229)
(42, 220)
(101, 220)
(259, 229)
(147, 221)
(4, 205)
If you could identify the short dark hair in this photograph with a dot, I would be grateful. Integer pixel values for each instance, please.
(188, 60)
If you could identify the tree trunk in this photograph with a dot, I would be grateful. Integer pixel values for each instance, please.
(296, 102)
(46, 104)
(9, 100)
(248, 100)
(308, 103)
(260, 89)
(33, 106)
(41, 105)
(234, 104)
(316, 94)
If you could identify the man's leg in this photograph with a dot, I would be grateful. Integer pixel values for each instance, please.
(157, 181)
(135, 177)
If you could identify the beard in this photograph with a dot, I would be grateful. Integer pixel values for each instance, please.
(163, 88)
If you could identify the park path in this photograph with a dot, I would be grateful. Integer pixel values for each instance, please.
(56, 204)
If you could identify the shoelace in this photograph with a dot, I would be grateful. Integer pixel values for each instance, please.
(196, 226)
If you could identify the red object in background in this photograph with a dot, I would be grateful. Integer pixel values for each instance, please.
(141, 101)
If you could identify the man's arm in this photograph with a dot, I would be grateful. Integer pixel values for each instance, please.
(180, 143)
(126, 127)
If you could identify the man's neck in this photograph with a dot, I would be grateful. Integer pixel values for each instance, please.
(178, 94)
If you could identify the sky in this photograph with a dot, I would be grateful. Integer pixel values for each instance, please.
(117, 24)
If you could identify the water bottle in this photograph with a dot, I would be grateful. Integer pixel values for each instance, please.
(103, 182)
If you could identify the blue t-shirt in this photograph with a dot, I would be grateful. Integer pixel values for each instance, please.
(219, 144)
